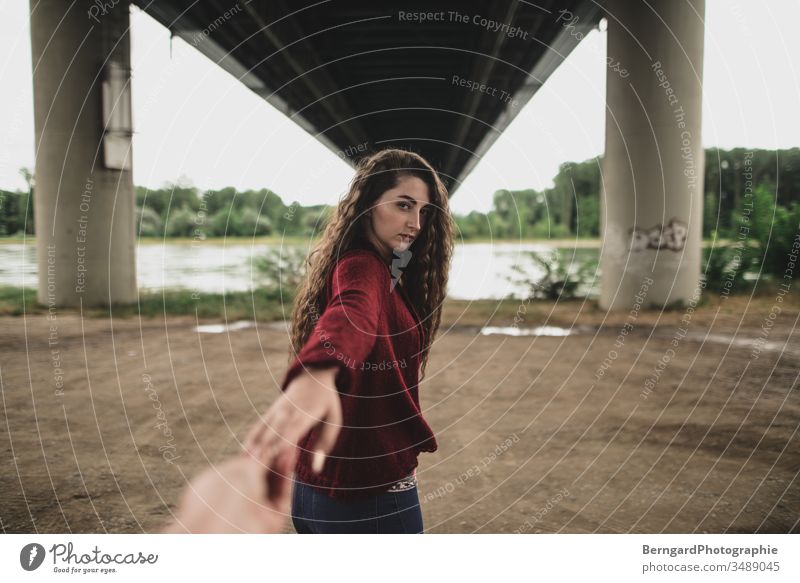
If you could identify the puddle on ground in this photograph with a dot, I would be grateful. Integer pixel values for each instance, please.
(554, 331)
(240, 325)
(222, 328)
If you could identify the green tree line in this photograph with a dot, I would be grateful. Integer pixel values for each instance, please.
(182, 211)
(570, 207)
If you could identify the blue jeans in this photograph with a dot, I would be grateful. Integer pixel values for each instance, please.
(314, 512)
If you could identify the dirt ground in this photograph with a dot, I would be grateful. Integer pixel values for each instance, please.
(105, 419)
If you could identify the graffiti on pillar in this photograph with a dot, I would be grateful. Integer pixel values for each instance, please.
(671, 235)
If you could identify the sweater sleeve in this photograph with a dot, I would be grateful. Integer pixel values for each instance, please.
(345, 333)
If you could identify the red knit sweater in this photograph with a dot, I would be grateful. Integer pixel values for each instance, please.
(371, 332)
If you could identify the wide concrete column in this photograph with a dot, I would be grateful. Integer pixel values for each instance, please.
(653, 165)
(84, 198)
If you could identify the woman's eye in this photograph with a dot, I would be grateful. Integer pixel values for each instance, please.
(405, 206)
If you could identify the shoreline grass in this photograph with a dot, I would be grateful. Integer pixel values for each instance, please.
(260, 304)
(269, 305)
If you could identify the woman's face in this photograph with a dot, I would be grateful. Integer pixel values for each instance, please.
(399, 212)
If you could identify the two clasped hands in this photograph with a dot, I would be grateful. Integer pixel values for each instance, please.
(251, 492)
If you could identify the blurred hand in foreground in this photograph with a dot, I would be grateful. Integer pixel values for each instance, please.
(232, 497)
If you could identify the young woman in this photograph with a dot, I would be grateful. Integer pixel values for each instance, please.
(349, 417)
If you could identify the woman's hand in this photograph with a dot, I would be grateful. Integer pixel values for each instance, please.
(232, 497)
(310, 399)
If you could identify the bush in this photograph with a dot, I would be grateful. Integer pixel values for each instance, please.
(768, 229)
(225, 223)
(253, 224)
(281, 269)
(725, 268)
(148, 223)
(16, 213)
(180, 223)
(564, 276)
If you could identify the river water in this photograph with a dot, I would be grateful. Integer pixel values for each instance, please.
(478, 270)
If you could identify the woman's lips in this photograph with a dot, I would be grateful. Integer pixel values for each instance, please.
(406, 238)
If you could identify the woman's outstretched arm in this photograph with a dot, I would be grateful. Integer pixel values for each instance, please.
(345, 333)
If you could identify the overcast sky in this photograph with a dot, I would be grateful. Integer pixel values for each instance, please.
(196, 122)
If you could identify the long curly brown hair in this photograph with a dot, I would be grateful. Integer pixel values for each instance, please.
(424, 278)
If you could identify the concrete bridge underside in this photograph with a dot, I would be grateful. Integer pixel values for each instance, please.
(361, 77)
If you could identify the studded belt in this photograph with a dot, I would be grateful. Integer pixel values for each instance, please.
(406, 483)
